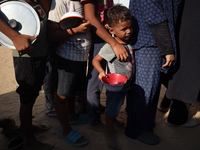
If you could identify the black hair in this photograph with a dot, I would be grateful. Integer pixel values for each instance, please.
(118, 13)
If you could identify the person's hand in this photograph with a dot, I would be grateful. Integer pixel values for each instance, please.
(22, 43)
(170, 58)
(84, 27)
(120, 52)
(101, 75)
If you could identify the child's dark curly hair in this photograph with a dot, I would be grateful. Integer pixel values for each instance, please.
(118, 13)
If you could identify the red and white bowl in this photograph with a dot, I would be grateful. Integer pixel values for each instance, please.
(70, 20)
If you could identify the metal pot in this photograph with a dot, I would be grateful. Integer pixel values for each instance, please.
(22, 17)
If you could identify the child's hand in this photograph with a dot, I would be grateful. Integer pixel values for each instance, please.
(22, 43)
(101, 75)
(84, 27)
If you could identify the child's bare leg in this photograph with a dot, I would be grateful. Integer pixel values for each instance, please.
(61, 106)
(30, 142)
(71, 109)
(111, 140)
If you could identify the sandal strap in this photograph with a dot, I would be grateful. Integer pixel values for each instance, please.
(74, 135)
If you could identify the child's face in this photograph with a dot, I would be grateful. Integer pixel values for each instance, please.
(122, 30)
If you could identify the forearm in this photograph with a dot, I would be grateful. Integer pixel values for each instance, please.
(97, 27)
(7, 30)
(162, 38)
(97, 65)
(55, 34)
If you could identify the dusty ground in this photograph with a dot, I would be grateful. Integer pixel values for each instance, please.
(172, 138)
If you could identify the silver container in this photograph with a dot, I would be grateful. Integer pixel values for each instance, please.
(21, 17)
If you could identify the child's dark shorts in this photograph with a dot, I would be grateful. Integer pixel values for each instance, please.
(71, 76)
(29, 73)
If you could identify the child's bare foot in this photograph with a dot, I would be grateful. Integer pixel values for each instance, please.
(111, 142)
(100, 127)
(34, 144)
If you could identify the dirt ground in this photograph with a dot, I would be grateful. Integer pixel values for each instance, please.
(172, 138)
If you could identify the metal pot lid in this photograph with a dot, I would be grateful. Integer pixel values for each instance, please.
(21, 17)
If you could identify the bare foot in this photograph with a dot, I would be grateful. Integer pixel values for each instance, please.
(111, 142)
(100, 127)
(34, 144)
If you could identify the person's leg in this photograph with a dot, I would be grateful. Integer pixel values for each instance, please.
(26, 120)
(71, 109)
(64, 101)
(114, 102)
(165, 103)
(62, 112)
(142, 104)
(94, 88)
(178, 115)
(29, 75)
(50, 81)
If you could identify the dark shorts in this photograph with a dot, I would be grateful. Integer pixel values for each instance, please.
(29, 73)
(71, 77)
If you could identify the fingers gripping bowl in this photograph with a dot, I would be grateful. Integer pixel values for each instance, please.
(114, 82)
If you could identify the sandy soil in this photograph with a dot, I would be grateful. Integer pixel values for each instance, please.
(172, 138)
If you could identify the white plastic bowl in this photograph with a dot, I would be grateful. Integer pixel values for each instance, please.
(70, 20)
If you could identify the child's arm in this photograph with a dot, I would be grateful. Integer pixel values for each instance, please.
(97, 65)
(20, 41)
(89, 10)
(56, 34)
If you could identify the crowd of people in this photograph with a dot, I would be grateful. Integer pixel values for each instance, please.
(151, 42)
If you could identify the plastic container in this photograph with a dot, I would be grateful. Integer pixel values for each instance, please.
(70, 20)
(114, 82)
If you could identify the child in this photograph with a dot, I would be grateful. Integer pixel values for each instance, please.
(95, 12)
(72, 54)
(119, 20)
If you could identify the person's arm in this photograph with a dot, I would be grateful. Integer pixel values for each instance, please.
(45, 5)
(163, 40)
(96, 62)
(55, 34)
(21, 42)
(89, 10)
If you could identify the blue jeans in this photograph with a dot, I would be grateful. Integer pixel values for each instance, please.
(114, 102)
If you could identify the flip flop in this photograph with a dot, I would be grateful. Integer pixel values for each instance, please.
(14, 137)
(15, 143)
(72, 138)
(82, 119)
